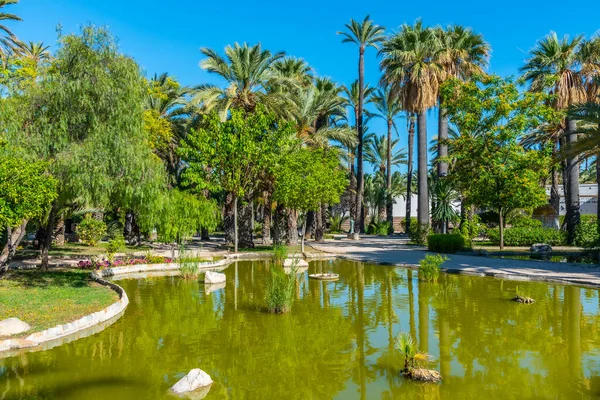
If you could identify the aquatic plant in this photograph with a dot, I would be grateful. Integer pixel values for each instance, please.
(415, 361)
(279, 295)
(188, 264)
(280, 253)
(429, 267)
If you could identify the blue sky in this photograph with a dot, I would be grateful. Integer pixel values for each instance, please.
(167, 38)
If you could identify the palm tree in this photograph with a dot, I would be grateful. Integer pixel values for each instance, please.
(388, 107)
(463, 54)
(554, 66)
(376, 154)
(36, 52)
(7, 37)
(249, 72)
(443, 196)
(364, 35)
(410, 65)
(295, 69)
(410, 126)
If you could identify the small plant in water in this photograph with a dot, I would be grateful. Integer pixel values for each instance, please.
(280, 253)
(415, 361)
(279, 295)
(188, 264)
(522, 297)
(429, 267)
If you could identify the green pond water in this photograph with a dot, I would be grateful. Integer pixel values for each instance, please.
(337, 342)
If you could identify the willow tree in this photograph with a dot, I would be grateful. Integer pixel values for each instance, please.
(84, 117)
(232, 155)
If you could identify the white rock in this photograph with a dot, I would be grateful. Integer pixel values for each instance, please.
(195, 379)
(214, 277)
(294, 262)
(13, 326)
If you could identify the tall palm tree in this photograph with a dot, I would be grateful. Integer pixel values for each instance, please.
(7, 37)
(249, 72)
(554, 66)
(388, 107)
(37, 52)
(291, 68)
(376, 154)
(463, 54)
(410, 64)
(364, 34)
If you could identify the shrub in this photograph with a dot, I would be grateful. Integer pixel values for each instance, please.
(413, 224)
(429, 267)
(382, 228)
(586, 233)
(527, 236)
(470, 229)
(188, 266)
(279, 295)
(526, 222)
(258, 228)
(446, 243)
(115, 245)
(419, 233)
(91, 230)
(280, 253)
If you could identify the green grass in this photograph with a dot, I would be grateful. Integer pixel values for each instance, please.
(47, 299)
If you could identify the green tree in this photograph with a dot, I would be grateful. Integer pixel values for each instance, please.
(231, 155)
(26, 191)
(490, 166)
(364, 34)
(307, 178)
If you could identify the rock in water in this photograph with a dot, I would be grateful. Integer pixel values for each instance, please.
(424, 375)
(195, 379)
(294, 262)
(214, 277)
(523, 299)
(540, 248)
(13, 326)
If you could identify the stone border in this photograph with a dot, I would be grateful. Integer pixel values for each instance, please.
(109, 272)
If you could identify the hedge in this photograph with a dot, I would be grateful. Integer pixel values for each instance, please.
(528, 236)
(445, 243)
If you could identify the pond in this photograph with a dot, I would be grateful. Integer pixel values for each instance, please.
(337, 342)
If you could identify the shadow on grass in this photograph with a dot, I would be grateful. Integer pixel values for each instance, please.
(45, 279)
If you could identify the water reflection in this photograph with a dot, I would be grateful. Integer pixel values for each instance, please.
(338, 341)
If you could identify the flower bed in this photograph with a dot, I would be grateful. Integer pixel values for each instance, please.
(95, 265)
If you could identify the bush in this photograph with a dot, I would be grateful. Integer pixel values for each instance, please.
(413, 223)
(382, 228)
(586, 233)
(528, 236)
(279, 295)
(429, 267)
(115, 245)
(91, 230)
(419, 233)
(470, 229)
(526, 222)
(446, 243)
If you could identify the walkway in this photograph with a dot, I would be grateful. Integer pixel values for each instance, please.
(395, 251)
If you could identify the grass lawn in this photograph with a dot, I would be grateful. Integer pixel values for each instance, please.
(47, 299)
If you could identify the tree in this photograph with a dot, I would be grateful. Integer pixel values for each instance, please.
(463, 53)
(37, 52)
(411, 65)
(26, 191)
(84, 117)
(388, 107)
(231, 155)
(490, 166)
(307, 178)
(7, 38)
(443, 198)
(553, 67)
(364, 34)
(249, 72)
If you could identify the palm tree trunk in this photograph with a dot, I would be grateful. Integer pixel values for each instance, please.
(423, 192)
(572, 193)
(598, 198)
(554, 195)
(244, 224)
(359, 127)
(267, 212)
(319, 224)
(292, 228)
(47, 242)
(279, 225)
(442, 137)
(310, 221)
(389, 205)
(409, 174)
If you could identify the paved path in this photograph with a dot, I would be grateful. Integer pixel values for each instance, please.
(395, 251)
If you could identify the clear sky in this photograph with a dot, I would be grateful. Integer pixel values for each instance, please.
(165, 36)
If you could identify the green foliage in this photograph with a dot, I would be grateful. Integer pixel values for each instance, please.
(419, 233)
(280, 290)
(413, 358)
(443, 196)
(381, 228)
(586, 233)
(115, 245)
(413, 223)
(470, 229)
(26, 190)
(307, 178)
(489, 165)
(429, 267)
(91, 230)
(188, 264)
(336, 221)
(525, 222)
(446, 243)
(527, 236)
(280, 253)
